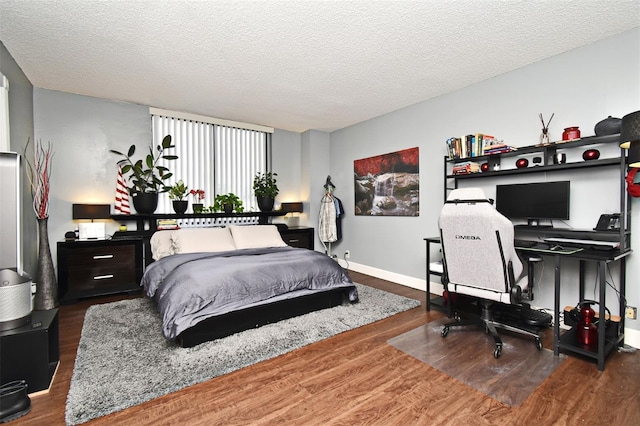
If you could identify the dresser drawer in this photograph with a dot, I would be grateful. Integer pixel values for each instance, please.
(107, 256)
(95, 268)
(102, 278)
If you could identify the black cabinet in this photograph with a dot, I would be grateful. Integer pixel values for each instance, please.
(298, 236)
(31, 352)
(98, 267)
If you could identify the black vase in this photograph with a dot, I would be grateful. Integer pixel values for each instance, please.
(145, 202)
(265, 203)
(180, 206)
(228, 208)
(46, 284)
(608, 126)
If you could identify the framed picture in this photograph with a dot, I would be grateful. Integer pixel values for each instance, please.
(388, 184)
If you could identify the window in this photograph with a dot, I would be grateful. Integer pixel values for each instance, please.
(217, 158)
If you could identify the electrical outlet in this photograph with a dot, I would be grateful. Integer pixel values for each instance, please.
(631, 312)
(347, 254)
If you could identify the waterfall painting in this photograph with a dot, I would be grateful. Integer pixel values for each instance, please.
(388, 184)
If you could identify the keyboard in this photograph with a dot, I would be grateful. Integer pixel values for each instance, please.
(572, 242)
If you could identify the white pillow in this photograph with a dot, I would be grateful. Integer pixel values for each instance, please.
(256, 236)
(161, 245)
(194, 240)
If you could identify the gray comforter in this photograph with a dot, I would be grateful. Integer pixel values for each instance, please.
(189, 288)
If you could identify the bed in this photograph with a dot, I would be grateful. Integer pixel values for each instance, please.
(209, 283)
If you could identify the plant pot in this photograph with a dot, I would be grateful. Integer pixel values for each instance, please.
(228, 208)
(180, 206)
(265, 203)
(197, 207)
(145, 202)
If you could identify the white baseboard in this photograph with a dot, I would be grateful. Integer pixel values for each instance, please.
(386, 275)
(631, 336)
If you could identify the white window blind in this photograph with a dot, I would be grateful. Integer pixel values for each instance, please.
(215, 158)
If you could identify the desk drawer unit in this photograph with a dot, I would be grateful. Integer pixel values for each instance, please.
(98, 268)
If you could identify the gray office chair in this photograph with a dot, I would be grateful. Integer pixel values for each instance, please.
(480, 261)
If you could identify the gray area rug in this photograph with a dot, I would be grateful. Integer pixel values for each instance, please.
(123, 359)
(466, 354)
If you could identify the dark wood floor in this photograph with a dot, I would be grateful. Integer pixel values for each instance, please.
(357, 378)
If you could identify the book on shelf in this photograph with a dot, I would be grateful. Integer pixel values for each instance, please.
(167, 224)
(466, 167)
(498, 148)
(469, 146)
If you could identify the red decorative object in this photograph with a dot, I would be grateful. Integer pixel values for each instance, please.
(571, 133)
(484, 167)
(446, 295)
(122, 195)
(591, 154)
(522, 163)
(586, 330)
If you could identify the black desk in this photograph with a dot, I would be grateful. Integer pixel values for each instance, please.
(568, 341)
(601, 258)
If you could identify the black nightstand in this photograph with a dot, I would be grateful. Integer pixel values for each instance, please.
(31, 352)
(98, 267)
(298, 236)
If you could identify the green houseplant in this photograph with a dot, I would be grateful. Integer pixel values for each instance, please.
(147, 177)
(177, 193)
(228, 203)
(266, 189)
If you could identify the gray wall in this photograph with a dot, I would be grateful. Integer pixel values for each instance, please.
(21, 128)
(581, 87)
(82, 130)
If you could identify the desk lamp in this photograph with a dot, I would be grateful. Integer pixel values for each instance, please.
(291, 208)
(630, 137)
(91, 230)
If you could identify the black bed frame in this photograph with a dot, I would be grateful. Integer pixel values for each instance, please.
(256, 316)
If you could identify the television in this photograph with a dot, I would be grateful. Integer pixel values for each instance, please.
(534, 202)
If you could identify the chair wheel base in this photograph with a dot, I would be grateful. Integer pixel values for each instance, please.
(497, 352)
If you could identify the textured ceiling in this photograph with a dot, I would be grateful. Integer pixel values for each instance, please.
(293, 65)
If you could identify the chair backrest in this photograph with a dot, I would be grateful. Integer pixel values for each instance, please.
(477, 242)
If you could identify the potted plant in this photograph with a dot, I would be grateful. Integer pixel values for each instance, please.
(266, 189)
(147, 177)
(228, 203)
(198, 194)
(177, 193)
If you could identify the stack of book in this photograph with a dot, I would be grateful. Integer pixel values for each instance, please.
(469, 145)
(466, 168)
(498, 148)
(164, 224)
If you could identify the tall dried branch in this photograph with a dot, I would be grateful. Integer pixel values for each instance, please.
(39, 175)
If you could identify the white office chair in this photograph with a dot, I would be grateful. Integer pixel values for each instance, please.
(480, 260)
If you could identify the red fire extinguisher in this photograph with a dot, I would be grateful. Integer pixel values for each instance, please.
(586, 329)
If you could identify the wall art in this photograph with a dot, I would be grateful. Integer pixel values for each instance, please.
(388, 184)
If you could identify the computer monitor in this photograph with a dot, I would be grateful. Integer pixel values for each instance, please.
(534, 201)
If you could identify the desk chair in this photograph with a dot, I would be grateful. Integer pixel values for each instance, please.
(480, 261)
